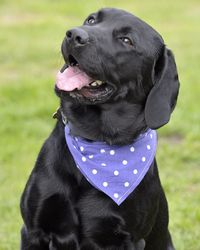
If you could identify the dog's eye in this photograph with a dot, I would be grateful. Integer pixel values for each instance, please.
(91, 20)
(126, 40)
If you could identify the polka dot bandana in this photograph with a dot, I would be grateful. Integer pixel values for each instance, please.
(114, 170)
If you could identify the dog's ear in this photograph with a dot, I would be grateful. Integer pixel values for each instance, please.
(162, 97)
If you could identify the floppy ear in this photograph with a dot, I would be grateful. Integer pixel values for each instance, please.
(162, 97)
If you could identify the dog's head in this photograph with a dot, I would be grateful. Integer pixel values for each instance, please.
(116, 56)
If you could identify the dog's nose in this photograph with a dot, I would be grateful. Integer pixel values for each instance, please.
(77, 36)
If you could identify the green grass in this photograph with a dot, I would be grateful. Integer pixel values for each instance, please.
(30, 36)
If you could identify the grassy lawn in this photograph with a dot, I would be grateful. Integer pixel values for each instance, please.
(30, 36)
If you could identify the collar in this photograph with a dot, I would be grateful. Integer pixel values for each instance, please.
(60, 116)
(114, 170)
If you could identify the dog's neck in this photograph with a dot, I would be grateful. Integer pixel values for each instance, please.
(116, 124)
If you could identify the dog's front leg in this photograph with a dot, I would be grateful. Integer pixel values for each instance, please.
(33, 239)
(38, 240)
(108, 233)
(128, 245)
(64, 242)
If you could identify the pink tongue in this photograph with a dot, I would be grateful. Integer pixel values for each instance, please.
(72, 78)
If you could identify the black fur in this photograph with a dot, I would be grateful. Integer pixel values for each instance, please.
(60, 209)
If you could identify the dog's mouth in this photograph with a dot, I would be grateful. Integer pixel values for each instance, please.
(81, 86)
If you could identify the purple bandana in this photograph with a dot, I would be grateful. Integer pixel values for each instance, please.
(114, 170)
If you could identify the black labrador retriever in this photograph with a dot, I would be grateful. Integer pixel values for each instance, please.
(119, 80)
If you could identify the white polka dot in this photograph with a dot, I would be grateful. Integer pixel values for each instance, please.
(132, 149)
(81, 148)
(83, 158)
(74, 146)
(151, 136)
(116, 172)
(112, 152)
(124, 162)
(126, 184)
(77, 166)
(143, 159)
(105, 183)
(76, 138)
(94, 171)
(103, 164)
(148, 147)
(102, 151)
(116, 195)
(135, 171)
(91, 156)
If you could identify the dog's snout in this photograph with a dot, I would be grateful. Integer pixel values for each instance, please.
(77, 36)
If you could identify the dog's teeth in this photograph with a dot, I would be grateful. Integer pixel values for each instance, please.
(94, 84)
(99, 82)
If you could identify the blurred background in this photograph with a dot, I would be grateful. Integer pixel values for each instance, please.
(31, 33)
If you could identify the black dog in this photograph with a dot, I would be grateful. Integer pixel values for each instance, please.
(136, 88)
